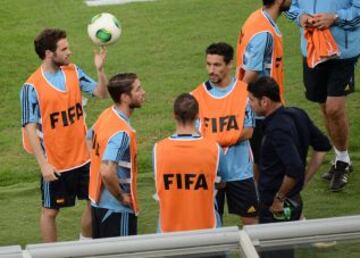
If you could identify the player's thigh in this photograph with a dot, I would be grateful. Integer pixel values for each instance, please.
(56, 194)
(107, 223)
(341, 77)
(316, 82)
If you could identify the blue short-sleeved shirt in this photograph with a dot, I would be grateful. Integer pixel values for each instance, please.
(29, 100)
(238, 157)
(258, 53)
(117, 150)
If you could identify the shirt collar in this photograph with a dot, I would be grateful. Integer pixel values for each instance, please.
(120, 113)
(273, 114)
(229, 86)
(271, 20)
(194, 135)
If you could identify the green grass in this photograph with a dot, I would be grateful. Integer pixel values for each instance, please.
(164, 43)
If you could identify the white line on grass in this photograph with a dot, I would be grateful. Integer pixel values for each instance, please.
(112, 2)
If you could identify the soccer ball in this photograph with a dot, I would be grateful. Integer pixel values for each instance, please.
(104, 29)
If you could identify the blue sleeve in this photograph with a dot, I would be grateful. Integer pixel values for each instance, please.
(349, 18)
(197, 123)
(89, 134)
(256, 51)
(294, 12)
(30, 112)
(222, 168)
(87, 84)
(116, 147)
(249, 119)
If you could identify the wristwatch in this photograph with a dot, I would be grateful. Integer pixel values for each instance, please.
(280, 197)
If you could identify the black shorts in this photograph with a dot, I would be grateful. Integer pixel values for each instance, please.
(64, 191)
(107, 223)
(242, 198)
(256, 139)
(333, 78)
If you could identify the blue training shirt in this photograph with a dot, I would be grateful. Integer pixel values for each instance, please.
(239, 162)
(117, 150)
(259, 50)
(29, 100)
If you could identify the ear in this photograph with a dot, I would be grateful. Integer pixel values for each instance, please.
(48, 53)
(265, 101)
(124, 98)
(230, 64)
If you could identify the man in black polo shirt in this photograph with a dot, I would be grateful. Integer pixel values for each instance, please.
(288, 133)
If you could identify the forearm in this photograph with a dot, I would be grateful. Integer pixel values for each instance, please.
(287, 185)
(349, 18)
(250, 76)
(111, 181)
(35, 143)
(89, 145)
(101, 86)
(314, 164)
(246, 134)
(277, 206)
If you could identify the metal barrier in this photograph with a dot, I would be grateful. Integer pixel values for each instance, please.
(220, 241)
(13, 251)
(202, 243)
(287, 234)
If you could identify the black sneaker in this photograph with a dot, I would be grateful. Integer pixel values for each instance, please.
(340, 176)
(328, 175)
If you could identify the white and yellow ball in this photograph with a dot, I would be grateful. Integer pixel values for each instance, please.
(104, 29)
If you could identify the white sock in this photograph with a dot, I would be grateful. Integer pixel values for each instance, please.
(342, 156)
(81, 237)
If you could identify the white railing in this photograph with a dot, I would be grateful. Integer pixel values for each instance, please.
(204, 242)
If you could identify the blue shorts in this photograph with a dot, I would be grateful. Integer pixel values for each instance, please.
(108, 223)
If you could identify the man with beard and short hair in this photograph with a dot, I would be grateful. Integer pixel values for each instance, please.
(288, 134)
(54, 128)
(260, 53)
(113, 171)
(226, 117)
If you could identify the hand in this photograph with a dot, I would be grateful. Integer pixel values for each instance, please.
(48, 172)
(126, 199)
(324, 20)
(306, 20)
(220, 185)
(277, 206)
(99, 58)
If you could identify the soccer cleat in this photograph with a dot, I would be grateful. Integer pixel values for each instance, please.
(328, 175)
(340, 176)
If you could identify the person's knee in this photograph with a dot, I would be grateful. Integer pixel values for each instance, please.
(249, 220)
(49, 213)
(335, 108)
(335, 112)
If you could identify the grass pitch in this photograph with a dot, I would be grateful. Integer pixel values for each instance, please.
(164, 42)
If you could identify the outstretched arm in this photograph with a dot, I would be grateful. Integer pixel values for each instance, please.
(101, 86)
